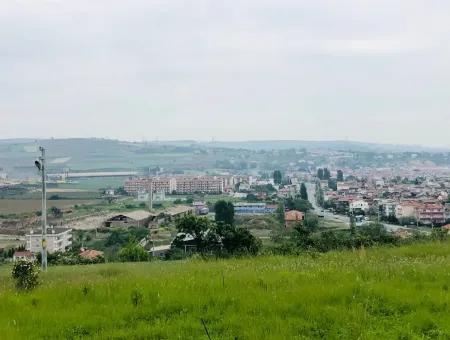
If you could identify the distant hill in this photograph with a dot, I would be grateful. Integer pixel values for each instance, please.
(328, 145)
(95, 154)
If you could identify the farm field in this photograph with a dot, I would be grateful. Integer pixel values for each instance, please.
(7, 241)
(386, 292)
(17, 206)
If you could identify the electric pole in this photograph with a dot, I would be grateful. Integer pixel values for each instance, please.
(40, 164)
(151, 196)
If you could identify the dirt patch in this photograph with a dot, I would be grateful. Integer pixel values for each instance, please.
(11, 206)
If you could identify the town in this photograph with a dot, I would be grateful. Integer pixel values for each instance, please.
(407, 196)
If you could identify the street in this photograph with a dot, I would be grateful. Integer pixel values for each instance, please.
(311, 189)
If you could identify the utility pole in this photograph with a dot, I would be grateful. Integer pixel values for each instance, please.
(150, 206)
(40, 164)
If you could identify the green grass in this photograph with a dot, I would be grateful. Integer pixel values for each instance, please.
(390, 293)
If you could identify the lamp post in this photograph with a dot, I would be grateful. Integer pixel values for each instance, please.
(40, 164)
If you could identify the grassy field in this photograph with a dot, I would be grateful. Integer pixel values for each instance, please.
(391, 293)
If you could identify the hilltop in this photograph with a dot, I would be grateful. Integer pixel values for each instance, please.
(367, 294)
(96, 154)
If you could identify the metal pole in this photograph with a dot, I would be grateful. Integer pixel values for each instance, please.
(151, 195)
(44, 212)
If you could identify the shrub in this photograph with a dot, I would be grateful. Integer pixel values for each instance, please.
(26, 275)
(133, 253)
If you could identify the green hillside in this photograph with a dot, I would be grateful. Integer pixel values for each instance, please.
(390, 293)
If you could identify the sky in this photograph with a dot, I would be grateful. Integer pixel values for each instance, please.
(364, 70)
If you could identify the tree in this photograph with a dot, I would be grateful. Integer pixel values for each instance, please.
(319, 195)
(298, 204)
(352, 225)
(238, 240)
(252, 198)
(332, 184)
(277, 177)
(280, 213)
(133, 252)
(26, 275)
(56, 212)
(340, 176)
(303, 192)
(326, 174)
(224, 212)
(320, 173)
(311, 222)
(197, 227)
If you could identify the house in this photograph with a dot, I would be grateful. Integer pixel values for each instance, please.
(293, 217)
(140, 218)
(56, 239)
(201, 208)
(90, 254)
(160, 251)
(288, 191)
(447, 228)
(358, 206)
(24, 255)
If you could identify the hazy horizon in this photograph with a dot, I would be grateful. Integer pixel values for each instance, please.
(370, 72)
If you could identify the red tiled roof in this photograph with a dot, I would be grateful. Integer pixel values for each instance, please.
(91, 254)
(23, 254)
(293, 215)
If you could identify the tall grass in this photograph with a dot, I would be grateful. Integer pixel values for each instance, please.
(391, 293)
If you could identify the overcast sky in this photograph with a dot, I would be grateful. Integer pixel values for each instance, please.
(366, 70)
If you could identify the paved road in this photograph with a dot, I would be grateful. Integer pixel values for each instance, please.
(311, 188)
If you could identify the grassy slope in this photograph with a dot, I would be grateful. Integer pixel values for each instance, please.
(388, 292)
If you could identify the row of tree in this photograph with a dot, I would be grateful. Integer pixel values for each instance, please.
(324, 174)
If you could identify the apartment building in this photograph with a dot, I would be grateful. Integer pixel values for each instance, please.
(431, 213)
(204, 184)
(157, 184)
(180, 184)
(57, 239)
(424, 212)
(387, 207)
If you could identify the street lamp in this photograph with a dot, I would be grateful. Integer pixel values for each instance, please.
(40, 164)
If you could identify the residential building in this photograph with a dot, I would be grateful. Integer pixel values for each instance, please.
(57, 239)
(387, 207)
(156, 184)
(203, 184)
(90, 254)
(24, 255)
(160, 251)
(431, 214)
(293, 217)
(178, 184)
(358, 205)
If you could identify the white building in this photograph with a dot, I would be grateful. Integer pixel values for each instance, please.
(57, 239)
(387, 207)
(359, 205)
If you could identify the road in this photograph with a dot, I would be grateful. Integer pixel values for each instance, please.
(311, 189)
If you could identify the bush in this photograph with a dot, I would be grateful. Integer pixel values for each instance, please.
(133, 253)
(26, 275)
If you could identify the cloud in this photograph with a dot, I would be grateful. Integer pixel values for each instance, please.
(201, 68)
